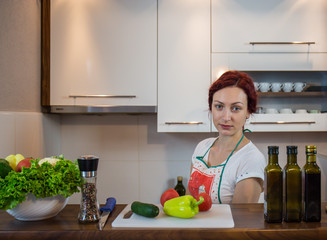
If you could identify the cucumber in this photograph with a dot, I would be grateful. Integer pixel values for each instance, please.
(145, 209)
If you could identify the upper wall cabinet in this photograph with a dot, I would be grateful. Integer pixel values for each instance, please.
(103, 54)
(241, 25)
(183, 65)
(249, 29)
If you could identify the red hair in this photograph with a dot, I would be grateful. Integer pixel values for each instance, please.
(235, 79)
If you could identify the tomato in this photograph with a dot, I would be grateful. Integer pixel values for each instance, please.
(23, 163)
(169, 194)
(207, 203)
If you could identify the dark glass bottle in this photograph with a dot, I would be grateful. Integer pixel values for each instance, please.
(293, 187)
(180, 187)
(273, 188)
(312, 187)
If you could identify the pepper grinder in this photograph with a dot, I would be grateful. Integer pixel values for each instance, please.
(89, 207)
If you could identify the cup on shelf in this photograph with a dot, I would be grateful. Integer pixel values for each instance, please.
(259, 110)
(314, 111)
(301, 111)
(286, 111)
(287, 86)
(256, 86)
(264, 87)
(271, 111)
(299, 86)
(276, 86)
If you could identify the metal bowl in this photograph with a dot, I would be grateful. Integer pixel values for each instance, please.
(33, 209)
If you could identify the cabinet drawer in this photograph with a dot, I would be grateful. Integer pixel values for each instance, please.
(287, 123)
(268, 62)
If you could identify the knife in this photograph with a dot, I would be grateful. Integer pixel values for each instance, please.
(110, 204)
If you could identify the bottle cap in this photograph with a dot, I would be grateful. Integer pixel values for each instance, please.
(273, 150)
(291, 149)
(179, 178)
(311, 149)
(88, 163)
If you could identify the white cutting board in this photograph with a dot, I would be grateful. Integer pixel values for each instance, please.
(219, 216)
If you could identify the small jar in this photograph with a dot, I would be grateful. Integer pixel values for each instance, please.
(89, 207)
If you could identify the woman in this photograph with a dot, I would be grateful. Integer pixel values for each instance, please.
(229, 168)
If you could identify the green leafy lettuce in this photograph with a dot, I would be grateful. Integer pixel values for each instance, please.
(42, 181)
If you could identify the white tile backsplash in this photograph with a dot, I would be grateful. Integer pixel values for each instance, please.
(158, 176)
(29, 134)
(111, 138)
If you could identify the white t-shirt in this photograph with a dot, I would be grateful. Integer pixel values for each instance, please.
(245, 163)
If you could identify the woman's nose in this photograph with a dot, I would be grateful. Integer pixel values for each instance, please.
(226, 115)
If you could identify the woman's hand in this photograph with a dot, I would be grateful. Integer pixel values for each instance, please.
(248, 190)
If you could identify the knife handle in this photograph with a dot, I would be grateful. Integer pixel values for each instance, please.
(110, 204)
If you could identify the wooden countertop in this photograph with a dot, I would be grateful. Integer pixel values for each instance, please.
(248, 219)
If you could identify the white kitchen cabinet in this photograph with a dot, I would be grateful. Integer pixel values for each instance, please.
(103, 53)
(287, 122)
(236, 23)
(269, 35)
(183, 65)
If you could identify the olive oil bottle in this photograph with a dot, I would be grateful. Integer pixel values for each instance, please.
(293, 187)
(312, 186)
(180, 189)
(273, 187)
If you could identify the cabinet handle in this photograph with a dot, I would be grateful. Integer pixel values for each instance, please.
(283, 122)
(272, 43)
(183, 123)
(102, 96)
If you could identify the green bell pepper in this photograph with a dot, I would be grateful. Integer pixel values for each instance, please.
(182, 207)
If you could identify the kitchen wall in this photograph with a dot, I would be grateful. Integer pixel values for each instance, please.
(20, 61)
(136, 162)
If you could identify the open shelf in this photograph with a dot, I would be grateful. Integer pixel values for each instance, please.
(292, 94)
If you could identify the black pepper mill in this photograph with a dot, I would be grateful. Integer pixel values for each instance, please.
(89, 208)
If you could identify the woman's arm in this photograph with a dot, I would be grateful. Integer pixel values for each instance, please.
(248, 190)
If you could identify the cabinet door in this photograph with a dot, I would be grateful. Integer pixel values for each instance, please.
(236, 23)
(103, 47)
(183, 65)
(268, 62)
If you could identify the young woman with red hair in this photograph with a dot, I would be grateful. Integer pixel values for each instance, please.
(230, 168)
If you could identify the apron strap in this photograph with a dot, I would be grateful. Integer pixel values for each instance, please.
(222, 171)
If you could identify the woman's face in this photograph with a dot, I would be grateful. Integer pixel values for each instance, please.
(229, 110)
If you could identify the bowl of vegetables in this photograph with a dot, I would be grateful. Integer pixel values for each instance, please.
(33, 209)
(38, 189)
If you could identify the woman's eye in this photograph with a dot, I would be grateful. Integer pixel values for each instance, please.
(235, 109)
(219, 106)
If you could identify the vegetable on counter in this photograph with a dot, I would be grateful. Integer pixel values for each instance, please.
(24, 163)
(14, 160)
(182, 207)
(167, 195)
(5, 168)
(145, 209)
(43, 181)
(207, 203)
